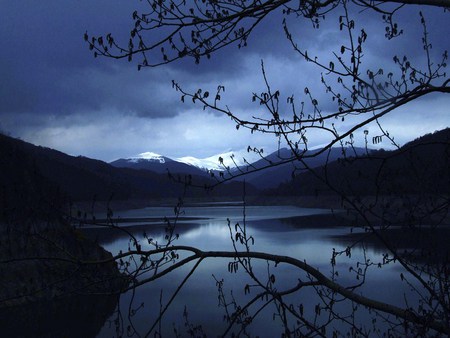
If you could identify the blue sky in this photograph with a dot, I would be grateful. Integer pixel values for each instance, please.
(54, 93)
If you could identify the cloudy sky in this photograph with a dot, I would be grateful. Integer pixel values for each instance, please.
(54, 93)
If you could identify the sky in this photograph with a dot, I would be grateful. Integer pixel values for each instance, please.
(54, 93)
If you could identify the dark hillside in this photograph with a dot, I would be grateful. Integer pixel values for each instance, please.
(275, 175)
(24, 191)
(40, 251)
(81, 178)
(158, 167)
(421, 166)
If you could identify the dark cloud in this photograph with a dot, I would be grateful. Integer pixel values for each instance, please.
(46, 66)
(51, 85)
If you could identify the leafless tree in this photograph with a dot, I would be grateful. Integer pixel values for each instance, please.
(172, 30)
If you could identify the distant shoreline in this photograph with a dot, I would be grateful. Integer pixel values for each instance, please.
(326, 202)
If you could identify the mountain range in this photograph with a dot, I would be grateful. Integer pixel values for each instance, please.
(265, 171)
(32, 173)
(160, 163)
(420, 167)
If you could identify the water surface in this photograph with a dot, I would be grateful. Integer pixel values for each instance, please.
(307, 234)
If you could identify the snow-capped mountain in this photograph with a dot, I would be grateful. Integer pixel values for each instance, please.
(160, 163)
(221, 161)
(147, 156)
(270, 177)
(157, 163)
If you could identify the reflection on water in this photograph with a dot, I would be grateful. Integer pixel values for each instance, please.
(204, 219)
(306, 234)
(427, 245)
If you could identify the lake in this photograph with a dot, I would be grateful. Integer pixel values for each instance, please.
(306, 234)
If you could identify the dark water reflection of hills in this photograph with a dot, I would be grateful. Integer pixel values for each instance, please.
(422, 244)
(267, 219)
(85, 316)
(310, 236)
(107, 234)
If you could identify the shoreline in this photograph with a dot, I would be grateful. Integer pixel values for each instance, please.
(323, 202)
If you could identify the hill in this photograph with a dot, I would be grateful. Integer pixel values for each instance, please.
(158, 164)
(281, 165)
(79, 178)
(420, 166)
(39, 246)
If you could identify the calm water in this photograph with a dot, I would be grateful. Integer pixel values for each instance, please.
(306, 234)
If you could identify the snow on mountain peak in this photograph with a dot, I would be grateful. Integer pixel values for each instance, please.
(202, 163)
(217, 162)
(148, 156)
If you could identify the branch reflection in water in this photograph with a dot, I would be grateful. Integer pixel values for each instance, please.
(307, 234)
